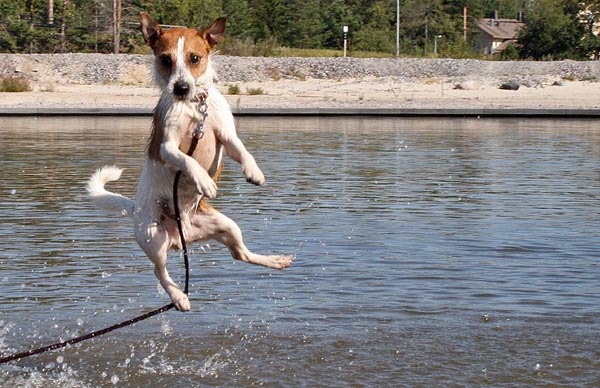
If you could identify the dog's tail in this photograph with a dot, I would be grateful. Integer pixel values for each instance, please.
(104, 199)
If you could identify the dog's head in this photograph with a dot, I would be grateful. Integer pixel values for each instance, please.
(182, 55)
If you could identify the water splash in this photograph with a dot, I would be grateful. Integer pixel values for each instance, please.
(5, 329)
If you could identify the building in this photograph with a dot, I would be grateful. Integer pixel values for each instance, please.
(497, 34)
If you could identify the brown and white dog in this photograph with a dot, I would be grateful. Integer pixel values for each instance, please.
(184, 73)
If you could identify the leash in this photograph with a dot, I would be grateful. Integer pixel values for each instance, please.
(198, 134)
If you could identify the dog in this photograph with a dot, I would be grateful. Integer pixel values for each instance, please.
(185, 76)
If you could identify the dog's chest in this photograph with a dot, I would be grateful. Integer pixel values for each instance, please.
(208, 148)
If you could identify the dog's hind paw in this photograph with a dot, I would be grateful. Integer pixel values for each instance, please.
(271, 261)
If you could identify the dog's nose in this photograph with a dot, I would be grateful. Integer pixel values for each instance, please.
(181, 89)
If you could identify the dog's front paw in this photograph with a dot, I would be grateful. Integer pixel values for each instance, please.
(207, 187)
(180, 300)
(254, 175)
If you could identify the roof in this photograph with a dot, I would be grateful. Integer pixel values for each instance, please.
(500, 28)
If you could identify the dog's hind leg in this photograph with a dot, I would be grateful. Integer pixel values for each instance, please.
(155, 242)
(209, 224)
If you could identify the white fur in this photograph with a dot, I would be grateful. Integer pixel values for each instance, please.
(104, 199)
(152, 209)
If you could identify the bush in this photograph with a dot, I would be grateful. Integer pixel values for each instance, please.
(255, 91)
(249, 48)
(15, 84)
(233, 89)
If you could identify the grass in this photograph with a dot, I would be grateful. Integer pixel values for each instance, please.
(233, 89)
(255, 91)
(295, 52)
(14, 84)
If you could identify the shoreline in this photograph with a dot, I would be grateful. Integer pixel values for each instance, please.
(318, 112)
(106, 84)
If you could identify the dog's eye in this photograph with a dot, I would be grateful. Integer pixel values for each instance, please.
(195, 59)
(165, 60)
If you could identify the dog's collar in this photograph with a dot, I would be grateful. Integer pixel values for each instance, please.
(199, 98)
(202, 107)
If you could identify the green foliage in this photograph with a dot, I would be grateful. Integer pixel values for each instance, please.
(550, 31)
(271, 27)
(248, 48)
(510, 54)
(14, 84)
(233, 89)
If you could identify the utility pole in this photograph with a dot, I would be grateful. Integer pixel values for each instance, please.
(51, 12)
(116, 25)
(63, 27)
(96, 26)
(465, 23)
(397, 28)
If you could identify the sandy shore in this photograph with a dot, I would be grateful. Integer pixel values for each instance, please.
(397, 85)
(313, 93)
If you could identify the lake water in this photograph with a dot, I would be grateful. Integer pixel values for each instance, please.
(430, 253)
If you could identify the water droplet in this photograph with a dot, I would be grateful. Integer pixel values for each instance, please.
(13, 192)
(166, 328)
(114, 379)
(60, 359)
(105, 274)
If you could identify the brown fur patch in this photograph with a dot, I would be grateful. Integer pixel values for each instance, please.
(156, 137)
(195, 46)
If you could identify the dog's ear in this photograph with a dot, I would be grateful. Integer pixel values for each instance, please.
(150, 29)
(214, 33)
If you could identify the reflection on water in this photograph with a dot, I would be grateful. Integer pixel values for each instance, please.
(429, 253)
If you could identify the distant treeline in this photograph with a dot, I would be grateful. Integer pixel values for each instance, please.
(554, 29)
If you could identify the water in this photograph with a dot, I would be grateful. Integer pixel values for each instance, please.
(430, 253)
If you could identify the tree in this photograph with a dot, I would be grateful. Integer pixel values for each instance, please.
(239, 22)
(378, 31)
(334, 15)
(590, 18)
(294, 23)
(552, 31)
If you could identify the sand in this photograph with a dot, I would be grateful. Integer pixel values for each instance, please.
(124, 81)
(319, 93)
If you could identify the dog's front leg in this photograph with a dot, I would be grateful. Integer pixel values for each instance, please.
(170, 153)
(237, 151)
